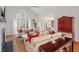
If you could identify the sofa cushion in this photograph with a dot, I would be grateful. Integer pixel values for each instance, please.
(40, 38)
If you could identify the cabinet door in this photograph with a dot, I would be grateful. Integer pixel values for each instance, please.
(65, 24)
(68, 25)
(60, 25)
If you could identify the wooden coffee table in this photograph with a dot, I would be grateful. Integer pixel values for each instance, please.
(60, 43)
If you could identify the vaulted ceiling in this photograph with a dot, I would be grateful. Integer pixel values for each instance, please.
(42, 10)
(55, 10)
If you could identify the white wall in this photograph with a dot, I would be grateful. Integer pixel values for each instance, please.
(0, 41)
(70, 11)
(0, 33)
(11, 11)
(52, 11)
(64, 11)
(0, 11)
(2, 25)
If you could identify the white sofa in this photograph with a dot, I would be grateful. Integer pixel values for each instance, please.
(34, 45)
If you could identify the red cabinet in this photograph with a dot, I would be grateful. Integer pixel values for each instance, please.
(65, 24)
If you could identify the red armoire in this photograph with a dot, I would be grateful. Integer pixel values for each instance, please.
(65, 24)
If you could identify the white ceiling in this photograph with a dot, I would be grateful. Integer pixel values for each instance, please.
(42, 11)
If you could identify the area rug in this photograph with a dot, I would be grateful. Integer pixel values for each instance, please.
(8, 47)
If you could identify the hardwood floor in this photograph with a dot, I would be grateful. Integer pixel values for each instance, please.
(17, 42)
(76, 47)
(20, 47)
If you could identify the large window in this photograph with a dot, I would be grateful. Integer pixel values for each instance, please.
(23, 26)
(45, 23)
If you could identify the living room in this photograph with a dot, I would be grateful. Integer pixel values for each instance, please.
(21, 20)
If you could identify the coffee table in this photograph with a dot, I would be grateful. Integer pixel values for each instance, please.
(50, 47)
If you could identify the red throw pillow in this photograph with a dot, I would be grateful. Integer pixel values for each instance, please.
(32, 36)
(20, 31)
(31, 30)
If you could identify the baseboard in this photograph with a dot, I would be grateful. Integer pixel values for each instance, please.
(76, 40)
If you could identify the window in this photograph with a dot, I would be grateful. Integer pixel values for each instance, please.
(23, 25)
